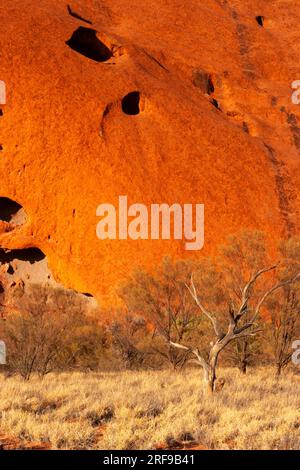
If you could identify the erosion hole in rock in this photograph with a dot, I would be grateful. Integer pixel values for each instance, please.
(27, 268)
(260, 20)
(85, 42)
(29, 255)
(245, 127)
(28, 265)
(1, 112)
(131, 103)
(215, 103)
(11, 211)
(204, 81)
(210, 86)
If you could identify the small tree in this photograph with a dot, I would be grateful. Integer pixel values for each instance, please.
(284, 327)
(243, 254)
(39, 330)
(3, 289)
(128, 338)
(244, 352)
(164, 302)
(284, 308)
(235, 330)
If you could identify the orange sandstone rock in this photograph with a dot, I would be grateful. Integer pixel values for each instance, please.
(215, 124)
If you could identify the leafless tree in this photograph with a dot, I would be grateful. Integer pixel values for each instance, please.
(235, 330)
(244, 253)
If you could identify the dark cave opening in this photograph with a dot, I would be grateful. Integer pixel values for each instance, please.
(31, 255)
(210, 86)
(215, 103)
(260, 20)
(131, 103)
(28, 267)
(85, 42)
(203, 81)
(11, 211)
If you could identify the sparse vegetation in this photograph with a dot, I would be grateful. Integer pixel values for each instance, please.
(201, 308)
(149, 409)
(129, 382)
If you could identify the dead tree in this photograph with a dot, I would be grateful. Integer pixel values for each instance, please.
(235, 330)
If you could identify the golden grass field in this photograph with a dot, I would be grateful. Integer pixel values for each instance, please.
(148, 410)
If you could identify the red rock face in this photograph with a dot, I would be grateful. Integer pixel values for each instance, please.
(211, 122)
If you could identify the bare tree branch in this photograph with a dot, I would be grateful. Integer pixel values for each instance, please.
(210, 316)
(270, 291)
(246, 291)
(196, 353)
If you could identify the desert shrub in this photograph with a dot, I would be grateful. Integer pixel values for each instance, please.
(48, 330)
(163, 300)
(283, 322)
(131, 341)
(204, 308)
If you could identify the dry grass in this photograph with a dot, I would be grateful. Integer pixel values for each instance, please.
(140, 410)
